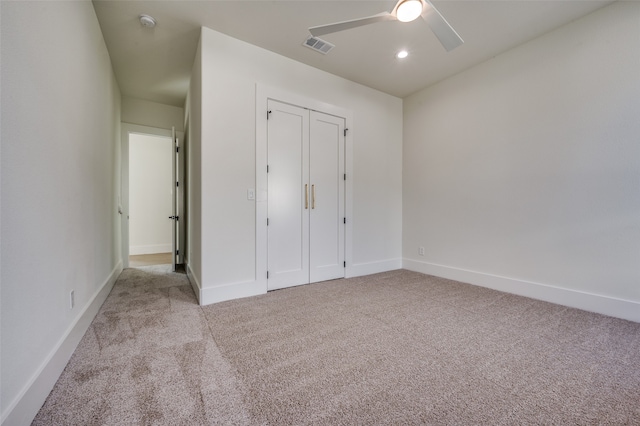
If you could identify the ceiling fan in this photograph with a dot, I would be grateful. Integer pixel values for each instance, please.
(403, 11)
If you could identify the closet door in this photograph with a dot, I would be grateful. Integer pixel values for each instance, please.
(288, 192)
(326, 177)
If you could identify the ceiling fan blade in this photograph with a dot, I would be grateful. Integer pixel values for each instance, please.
(440, 27)
(345, 25)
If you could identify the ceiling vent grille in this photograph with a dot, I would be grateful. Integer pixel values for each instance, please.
(318, 45)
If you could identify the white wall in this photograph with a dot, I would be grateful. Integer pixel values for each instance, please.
(230, 71)
(60, 226)
(193, 258)
(523, 173)
(150, 192)
(152, 114)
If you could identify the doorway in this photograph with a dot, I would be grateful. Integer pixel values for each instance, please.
(151, 200)
(150, 204)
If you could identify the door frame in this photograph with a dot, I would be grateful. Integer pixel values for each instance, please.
(126, 130)
(263, 94)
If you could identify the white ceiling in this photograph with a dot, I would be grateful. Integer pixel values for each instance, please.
(155, 64)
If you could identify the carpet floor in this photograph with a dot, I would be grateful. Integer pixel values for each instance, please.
(393, 348)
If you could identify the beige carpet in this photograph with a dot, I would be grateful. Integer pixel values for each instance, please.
(392, 348)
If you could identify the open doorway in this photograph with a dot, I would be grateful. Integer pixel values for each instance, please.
(151, 198)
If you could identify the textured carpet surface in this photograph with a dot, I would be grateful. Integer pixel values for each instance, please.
(391, 348)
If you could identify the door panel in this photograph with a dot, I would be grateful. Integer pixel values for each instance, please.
(181, 192)
(287, 186)
(327, 197)
(174, 197)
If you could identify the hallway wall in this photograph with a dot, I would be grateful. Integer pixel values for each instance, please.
(150, 194)
(60, 179)
(152, 114)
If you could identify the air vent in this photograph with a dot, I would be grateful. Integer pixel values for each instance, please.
(318, 45)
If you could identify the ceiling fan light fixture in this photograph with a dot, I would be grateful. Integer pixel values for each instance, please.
(409, 10)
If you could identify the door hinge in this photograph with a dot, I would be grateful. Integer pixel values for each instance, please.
(344, 264)
(267, 274)
(177, 252)
(268, 112)
(344, 220)
(267, 168)
(345, 176)
(345, 131)
(267, 221)
(177, 149)
(177, 183)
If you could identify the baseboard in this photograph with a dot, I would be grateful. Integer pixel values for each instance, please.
(360, 269)
(232, 291)
(606, 305)
(195, 284)
(150, 249)
(210, 295)
(24, 408)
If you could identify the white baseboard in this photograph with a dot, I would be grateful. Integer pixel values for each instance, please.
(150, 249)
(238, 290)
(195, 284)
(360, 269)
(221, 293)
(24, 408)
(606, 305)
(232, 291)
(210, 295)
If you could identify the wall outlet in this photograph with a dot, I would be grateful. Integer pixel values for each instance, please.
(72, 299)
(421, 251)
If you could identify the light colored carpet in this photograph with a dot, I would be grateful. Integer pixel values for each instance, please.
(392, 348)
(147, 358)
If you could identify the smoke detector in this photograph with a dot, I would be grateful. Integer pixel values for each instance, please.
(318, 45)
(147, 21)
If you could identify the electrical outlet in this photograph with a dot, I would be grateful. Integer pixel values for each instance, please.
(421, 251)
(72, 299)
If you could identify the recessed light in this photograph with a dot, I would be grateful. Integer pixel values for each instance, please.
(147, 21)
(402, 54)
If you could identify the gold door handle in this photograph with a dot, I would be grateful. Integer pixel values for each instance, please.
(306, 196)
(313, 196)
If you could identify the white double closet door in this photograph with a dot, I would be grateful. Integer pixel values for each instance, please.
(305, 196)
